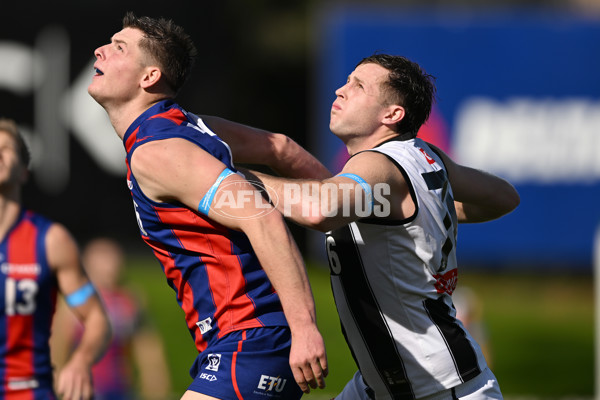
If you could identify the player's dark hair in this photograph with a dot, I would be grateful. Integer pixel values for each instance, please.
(168, 45)
(408, 85)
(10, 126)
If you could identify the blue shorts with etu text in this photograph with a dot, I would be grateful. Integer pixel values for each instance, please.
(251, 364)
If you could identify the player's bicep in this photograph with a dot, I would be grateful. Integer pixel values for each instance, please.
(73, 282)
(233, 200)
(175, 170)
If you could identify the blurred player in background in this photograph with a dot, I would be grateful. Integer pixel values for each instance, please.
(134, 365)
(39, 259)
(238, 274)
(469, 310)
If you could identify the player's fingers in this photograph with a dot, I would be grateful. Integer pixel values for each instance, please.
(319, 373)
(309, 375)
(65, 390)
(324, 365)
(75, 390)
(86, 391)
(300, 379)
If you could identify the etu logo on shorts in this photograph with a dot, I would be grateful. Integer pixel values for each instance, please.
(269, 383)
(213, 362)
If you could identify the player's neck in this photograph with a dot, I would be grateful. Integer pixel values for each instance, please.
(360, 143)
(9, 213)
(122, 116)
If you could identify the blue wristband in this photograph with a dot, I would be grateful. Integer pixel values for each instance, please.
(206, 201)
(366, 187)
(81, 295)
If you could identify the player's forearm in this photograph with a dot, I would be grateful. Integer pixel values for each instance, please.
(293, 161)
(251, 145)
(282, 262)
(303, 201)
(96, 336)
(493, 198)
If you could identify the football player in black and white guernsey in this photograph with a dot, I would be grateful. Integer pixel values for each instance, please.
(390, 218)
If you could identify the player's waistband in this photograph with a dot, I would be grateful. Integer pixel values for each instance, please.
(465, 388)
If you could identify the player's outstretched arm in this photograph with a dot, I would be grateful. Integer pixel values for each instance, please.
(479, 196)
(251, 145)
(75, 378)
(281, 260)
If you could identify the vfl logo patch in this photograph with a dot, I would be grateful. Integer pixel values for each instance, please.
(205, 325)
(214, 360)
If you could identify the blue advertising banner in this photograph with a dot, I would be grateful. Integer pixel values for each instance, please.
(518, 95)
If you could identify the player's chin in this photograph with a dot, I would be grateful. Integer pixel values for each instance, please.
(94, 92)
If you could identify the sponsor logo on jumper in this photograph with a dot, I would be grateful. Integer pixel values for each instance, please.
(205, 325)
(22, 383)
(446, 282)
(427, 156)
(214, 360)
(20, 269)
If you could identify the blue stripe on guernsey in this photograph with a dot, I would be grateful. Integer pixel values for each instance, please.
(206, 201)
(81, 295)
(366, 187)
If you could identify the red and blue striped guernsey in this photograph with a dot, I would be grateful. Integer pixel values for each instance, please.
(28, 292)
(218, 280)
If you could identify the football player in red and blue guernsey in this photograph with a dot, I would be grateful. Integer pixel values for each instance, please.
(227, 253)
(38, 260)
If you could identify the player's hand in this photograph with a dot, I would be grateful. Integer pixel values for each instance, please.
(75, 381)
(308, 358)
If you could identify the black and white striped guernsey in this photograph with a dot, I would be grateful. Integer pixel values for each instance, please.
(392, 282)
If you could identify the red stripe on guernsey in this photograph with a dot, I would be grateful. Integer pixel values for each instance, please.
(184, 294)
(21, 250)
(233, 366)
(226, 282)
(172, 114)
(131, 139)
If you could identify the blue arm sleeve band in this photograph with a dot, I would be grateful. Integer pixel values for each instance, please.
(81, 295)
(206, 201)
(366, 187)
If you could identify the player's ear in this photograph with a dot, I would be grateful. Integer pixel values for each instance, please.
(151, 77)
(393, 114)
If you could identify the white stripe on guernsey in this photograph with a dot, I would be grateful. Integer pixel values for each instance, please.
(356, 233)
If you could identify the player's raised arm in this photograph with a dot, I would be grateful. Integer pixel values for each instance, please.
(362, 190)
(479, 196)
(282, 154)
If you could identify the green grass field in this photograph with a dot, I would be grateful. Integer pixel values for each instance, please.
(540, 330)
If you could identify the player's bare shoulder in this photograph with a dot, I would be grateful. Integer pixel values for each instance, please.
(61, 248)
